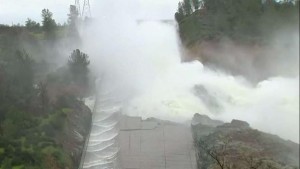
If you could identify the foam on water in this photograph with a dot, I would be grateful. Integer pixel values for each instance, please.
(271, 105)
(102, 148)
(143, 60)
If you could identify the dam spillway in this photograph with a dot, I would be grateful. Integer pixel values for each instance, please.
(155, 144)
(118, 141)
(102, 146)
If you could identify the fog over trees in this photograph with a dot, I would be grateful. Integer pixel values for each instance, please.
(37, 96)
(46, 74)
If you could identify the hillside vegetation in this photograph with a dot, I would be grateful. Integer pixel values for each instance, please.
(43, 122)
(257, 39)
(244, 21)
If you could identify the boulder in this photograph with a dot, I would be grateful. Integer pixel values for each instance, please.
(239, 124)
(205, 120)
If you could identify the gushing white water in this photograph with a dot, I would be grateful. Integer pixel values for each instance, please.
(102, 148)
(144, 60)
(272, 105)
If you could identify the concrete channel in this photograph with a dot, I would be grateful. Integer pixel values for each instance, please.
(155, 144)
(102, 148)
(118, 141)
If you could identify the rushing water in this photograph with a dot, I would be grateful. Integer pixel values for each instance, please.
(103, 148)
(175, 91)
(144, 61)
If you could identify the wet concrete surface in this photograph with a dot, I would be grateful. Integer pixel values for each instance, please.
(155, 144)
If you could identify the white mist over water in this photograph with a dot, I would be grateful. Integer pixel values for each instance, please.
(143, 60)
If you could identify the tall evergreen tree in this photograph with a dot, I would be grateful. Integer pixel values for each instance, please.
(49, 24)
(179, 15)
(73, 23)
(32, 25)
(187, 6)
(78, 65)
(196, 4)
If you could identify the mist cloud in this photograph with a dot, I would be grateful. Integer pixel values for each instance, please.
(143, 61)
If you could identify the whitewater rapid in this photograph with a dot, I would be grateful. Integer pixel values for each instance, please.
(103, 147)
(179, 90)
(144, 60)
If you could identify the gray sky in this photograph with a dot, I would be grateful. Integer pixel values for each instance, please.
(17, 11)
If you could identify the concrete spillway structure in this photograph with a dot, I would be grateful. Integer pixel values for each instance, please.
(155, 144)
(102, 146)
(118, 141)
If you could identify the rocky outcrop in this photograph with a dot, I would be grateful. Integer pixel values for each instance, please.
(243, 144)
(235, 125)
(239, 123)
(76, 130)
(205, 120)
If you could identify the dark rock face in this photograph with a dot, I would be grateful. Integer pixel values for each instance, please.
(205, 120)
(243, 144)
(234, 125)
(239, 123)
(203, 125)
(77, 129)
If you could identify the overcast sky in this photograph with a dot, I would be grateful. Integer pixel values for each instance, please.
(17, 11)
